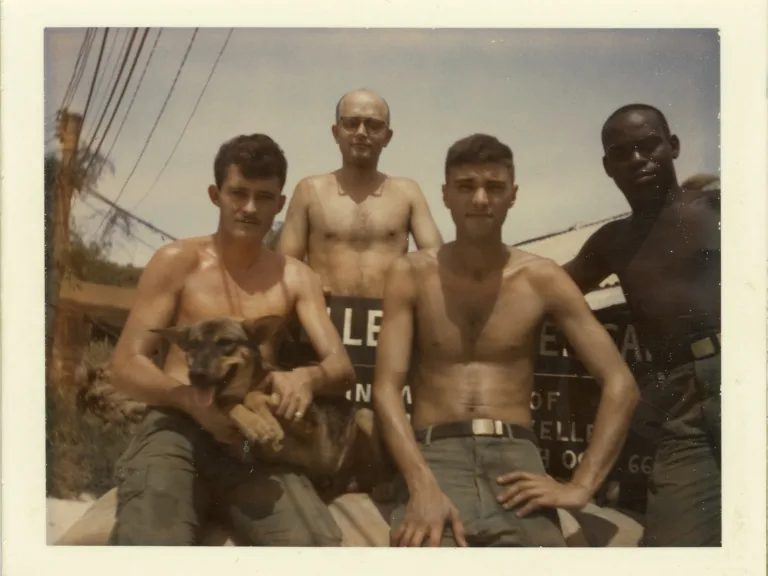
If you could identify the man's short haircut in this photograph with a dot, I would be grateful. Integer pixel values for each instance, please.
(638, 107)
(257, 156)
(338, 104)
(478, 149)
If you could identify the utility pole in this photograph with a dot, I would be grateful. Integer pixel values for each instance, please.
(59, 322)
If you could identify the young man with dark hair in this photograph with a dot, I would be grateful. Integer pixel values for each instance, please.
(460, 323)
(176, 470)
(351, 224)
(667, 257)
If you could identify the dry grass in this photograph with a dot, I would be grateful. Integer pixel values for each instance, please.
(81, 448)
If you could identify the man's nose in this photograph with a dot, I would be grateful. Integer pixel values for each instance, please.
(480, 198)
(361, 129)
(250, 205)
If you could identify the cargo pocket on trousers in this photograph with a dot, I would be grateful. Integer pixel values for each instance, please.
(131, 482)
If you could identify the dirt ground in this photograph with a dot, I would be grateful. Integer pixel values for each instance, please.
(61, 514)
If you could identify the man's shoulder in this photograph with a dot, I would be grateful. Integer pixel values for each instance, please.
(182, 253)
(406, 185)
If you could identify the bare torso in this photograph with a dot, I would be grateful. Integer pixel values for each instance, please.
(354, 236)
(470, 360)
(209, 290)
(671, 277)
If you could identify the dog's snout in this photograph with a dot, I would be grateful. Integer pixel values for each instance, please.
(197, 375)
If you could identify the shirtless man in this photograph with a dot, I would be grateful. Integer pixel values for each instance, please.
(176, 470)
(353, 223)
(471, 312)
(667, 257)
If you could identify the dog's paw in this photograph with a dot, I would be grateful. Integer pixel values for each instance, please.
(258, 427)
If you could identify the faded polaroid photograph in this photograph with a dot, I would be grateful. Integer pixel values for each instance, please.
(321, 286)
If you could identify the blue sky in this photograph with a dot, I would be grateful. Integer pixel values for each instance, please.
(544, 92)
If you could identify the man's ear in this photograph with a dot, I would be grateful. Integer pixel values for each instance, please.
(175, 335)
(260, 330)
(213, 194)
(674, 143)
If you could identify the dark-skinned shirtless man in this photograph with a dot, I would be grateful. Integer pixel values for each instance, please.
(667, 257)
(463, 321)
(176, 471)
(351, 224)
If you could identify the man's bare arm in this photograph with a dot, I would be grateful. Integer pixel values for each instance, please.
(393, 356)
(294, 235)
(587, 269)
(423, 227)
(597, 351)
(133, 370)
(335, 373)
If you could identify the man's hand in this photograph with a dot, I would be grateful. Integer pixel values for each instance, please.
(425, 517)
(537, 491)
(293, 392)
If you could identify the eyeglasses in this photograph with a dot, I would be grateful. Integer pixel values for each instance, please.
(372, 125)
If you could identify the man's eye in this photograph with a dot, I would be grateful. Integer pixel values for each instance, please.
(226, 343)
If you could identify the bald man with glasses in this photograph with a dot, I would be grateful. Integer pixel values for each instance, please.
(351, 224)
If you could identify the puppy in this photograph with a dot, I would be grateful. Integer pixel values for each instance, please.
(226, 366)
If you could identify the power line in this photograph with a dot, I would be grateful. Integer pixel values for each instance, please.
(135, 92)
(95, 74)
(157, 120)
(189, 120)
(99, 97)
(71, 86)
(112, 94)
(125, 212)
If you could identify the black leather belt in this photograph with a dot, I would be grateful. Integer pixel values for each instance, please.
(477, 427)
(696, 349)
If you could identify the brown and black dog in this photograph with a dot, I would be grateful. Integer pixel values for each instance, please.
(335, 443)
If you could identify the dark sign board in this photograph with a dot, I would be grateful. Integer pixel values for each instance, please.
(563, 403)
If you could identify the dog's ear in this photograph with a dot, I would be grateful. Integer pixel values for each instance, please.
(178, 335)
(260, 330)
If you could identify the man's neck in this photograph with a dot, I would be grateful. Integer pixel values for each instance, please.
(479, 258)
(237, 253)
(652, 202)
(353, 175)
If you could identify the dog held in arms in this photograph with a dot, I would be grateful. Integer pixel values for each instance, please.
(335, 443)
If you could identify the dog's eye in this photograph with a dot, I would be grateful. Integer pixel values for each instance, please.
(226, 343)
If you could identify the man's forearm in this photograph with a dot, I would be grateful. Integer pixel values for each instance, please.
(334, 375)
(141, 379)
(398, 435)
(618, 400)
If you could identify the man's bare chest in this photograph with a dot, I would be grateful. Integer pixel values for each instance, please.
(212, 293)
(482, 323)
(374, 219)
(682, 243)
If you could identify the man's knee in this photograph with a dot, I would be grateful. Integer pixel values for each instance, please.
(282, 510)
(154, 510)
(158, 490)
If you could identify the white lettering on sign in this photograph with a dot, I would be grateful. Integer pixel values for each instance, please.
(630, 343)
(571, 459)
(373, 327)
(548, 336)
(347, 331)
(566, 432)
(545, 432)
(536, 400)
(639, 464)
(551, 397)
(407, 394)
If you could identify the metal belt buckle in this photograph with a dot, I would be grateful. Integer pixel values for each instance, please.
(705, 347)
(486, 427)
